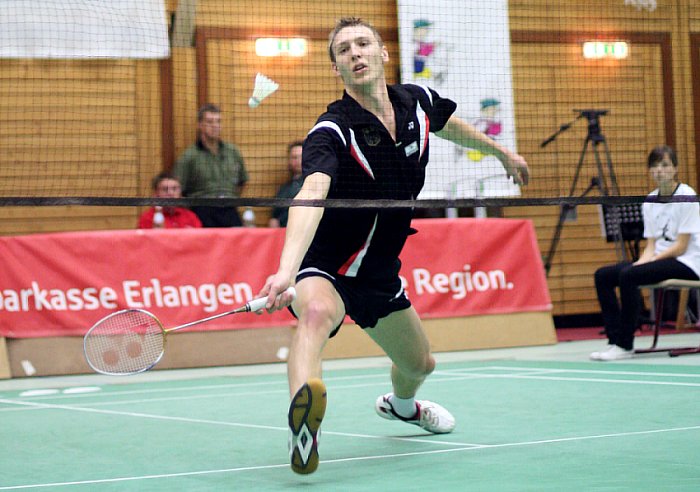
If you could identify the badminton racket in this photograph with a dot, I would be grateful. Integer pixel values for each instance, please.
(133, 340)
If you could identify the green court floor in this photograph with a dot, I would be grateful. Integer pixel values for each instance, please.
(525, 421)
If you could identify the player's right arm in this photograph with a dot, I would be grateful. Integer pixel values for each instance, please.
(462, 133)
(301, 228)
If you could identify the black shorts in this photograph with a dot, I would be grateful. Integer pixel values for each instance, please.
(366, 301)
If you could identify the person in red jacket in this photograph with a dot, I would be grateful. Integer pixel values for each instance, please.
(166, 185)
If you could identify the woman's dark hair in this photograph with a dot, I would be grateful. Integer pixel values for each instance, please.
(657, 154)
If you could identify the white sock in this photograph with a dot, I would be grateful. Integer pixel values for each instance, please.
(405, 407)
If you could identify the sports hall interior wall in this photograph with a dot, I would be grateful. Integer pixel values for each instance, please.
(123, 108)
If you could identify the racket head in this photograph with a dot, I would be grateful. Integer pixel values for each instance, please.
(126, 342)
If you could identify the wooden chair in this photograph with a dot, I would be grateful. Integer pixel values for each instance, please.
(682, 317)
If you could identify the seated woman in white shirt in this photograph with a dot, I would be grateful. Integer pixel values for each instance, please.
(672, 232)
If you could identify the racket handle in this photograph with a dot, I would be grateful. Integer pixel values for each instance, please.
(259, 303)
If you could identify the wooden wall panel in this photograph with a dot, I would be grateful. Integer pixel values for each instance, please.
(603, 15)
(184, 98)
(148, 124)
(550, 81)
(688, 35)
(115, 105)
(76, 127)
(310, 14)
(692, 10)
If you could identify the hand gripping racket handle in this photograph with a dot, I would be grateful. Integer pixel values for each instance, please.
(259, 303)
(251, 306)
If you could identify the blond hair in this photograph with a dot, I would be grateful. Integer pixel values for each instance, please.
(349, 22)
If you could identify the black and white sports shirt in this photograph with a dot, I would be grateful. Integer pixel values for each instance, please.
(349, 144)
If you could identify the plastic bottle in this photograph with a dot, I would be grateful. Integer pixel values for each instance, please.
(158, 218)
(248, 217)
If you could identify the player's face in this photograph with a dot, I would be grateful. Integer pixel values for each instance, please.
(295, 160)
(663, 171)
(210, 126)
(359, 58)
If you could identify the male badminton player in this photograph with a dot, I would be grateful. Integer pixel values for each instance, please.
(371, 144)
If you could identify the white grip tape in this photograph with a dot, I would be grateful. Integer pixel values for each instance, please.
(259, 303)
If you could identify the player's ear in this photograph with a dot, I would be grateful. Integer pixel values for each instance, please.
(334, 69)
(385, 54)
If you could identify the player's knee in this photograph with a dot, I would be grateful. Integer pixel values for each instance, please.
(319, 315)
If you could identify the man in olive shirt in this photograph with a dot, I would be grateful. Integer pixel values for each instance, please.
(212, 168)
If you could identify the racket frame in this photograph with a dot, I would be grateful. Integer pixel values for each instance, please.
(164, 334)
(251, 306)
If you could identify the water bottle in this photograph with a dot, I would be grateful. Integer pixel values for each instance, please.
(158, 218)
(248, 217)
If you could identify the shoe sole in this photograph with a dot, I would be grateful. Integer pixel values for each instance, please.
(306, 413)
(624, 357)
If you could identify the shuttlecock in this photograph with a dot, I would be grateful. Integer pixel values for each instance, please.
(263, 88)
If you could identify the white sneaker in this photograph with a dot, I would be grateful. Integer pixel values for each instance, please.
(429, 416)
(616, 353)
(596, 355)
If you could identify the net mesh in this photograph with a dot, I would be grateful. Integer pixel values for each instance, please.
(96, 98)
(126, 342)
(95, 111)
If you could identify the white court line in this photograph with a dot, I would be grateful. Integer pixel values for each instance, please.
(191, 420)
(460, 446)
(382, 376)
(284, 389)
(453, 377)
(444, 372)
(282, 383)
(531, 373)
(90, 406)
(580, 380)
(594, 380)
(358, 458)
(560, 369)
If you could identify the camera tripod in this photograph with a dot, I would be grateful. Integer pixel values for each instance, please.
(594, 138)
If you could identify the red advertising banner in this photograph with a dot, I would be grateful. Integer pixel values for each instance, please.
(61, 284)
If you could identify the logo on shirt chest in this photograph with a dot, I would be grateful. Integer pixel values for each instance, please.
(372, 136)
(411, 149)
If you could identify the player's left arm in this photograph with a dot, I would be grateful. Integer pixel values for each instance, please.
(462, 133)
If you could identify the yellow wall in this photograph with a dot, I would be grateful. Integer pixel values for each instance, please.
(116, 106)
(551, 78)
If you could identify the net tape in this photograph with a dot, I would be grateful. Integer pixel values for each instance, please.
(338, 203)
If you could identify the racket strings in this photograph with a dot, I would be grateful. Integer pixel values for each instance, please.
(127, 342)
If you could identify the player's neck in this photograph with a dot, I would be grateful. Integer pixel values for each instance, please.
(373, 97)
